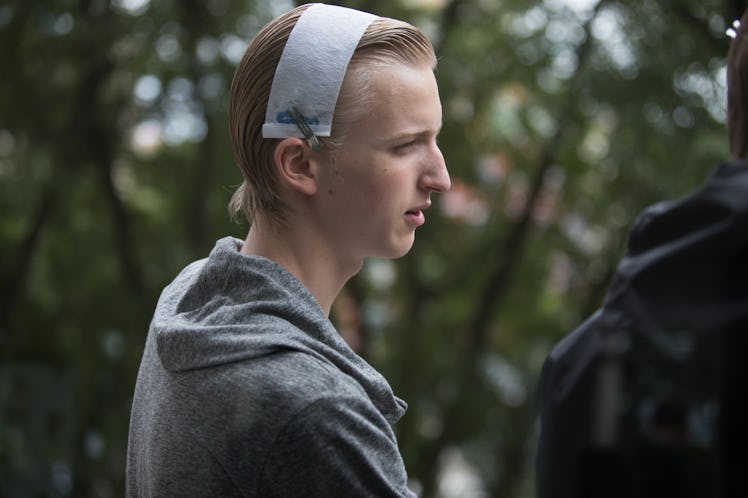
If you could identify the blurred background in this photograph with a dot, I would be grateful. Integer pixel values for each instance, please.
(562, 120)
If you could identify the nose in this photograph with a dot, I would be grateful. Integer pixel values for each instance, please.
(436, 176)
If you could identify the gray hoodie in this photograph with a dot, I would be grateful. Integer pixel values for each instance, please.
(246, 389)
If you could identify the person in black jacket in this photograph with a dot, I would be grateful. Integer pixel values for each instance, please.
(666, 353)
(734, 410)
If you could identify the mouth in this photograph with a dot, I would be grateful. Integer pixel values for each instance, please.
(415, 216)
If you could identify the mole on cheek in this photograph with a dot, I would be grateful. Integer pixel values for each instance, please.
(329, 192)
(338, 178)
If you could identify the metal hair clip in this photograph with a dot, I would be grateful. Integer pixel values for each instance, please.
(311, 138)
(732, 31)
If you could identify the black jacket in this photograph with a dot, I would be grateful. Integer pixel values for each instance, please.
(674, 323)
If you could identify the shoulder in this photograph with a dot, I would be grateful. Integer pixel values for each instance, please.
(272, 388)
(338, 444)
(295, 379)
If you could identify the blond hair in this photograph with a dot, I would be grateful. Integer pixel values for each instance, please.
(385, 42)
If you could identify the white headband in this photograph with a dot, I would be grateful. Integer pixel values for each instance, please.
(311, 70)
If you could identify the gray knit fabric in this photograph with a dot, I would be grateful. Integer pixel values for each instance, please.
(246, 389)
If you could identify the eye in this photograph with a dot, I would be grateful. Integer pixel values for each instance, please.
(404, 147)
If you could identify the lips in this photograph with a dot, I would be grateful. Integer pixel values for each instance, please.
(415, 215)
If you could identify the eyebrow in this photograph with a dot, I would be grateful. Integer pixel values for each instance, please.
(413, 134)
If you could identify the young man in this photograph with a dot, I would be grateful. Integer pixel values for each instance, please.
(245, 387)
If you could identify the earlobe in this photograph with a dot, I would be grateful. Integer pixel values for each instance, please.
(296, 167)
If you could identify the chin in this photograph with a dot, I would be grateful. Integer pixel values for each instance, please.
(399, 250)
(392, 248)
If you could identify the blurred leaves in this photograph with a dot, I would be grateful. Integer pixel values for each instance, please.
(562, 119)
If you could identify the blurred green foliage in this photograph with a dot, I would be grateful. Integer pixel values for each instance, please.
(562, 119)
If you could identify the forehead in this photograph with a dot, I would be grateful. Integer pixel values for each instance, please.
(403, 99)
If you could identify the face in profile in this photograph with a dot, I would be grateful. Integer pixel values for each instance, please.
(378, 185)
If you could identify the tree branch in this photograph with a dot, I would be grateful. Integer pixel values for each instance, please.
(13, 284)
(194, 15)
(98, 140)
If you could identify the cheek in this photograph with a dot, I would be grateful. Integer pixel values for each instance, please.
(333, 181)
(367, 187)
(355, 198)
(381, 190)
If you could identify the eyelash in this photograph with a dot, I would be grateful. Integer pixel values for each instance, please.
(405, 146)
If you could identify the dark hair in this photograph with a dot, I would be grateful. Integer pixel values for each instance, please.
(737, 90)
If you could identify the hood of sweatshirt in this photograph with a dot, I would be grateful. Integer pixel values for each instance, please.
(231, 308)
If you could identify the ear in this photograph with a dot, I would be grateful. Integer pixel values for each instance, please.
(297, 166)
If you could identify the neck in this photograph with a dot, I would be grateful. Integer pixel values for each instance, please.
(297, 250)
